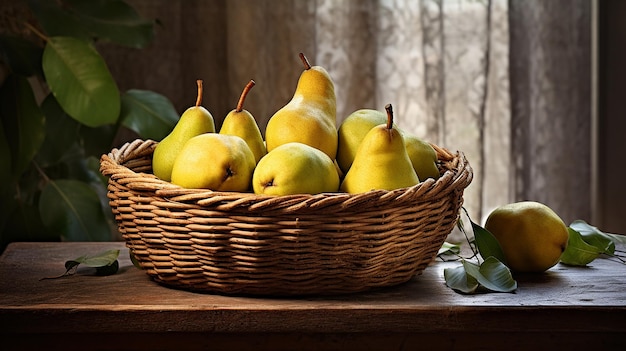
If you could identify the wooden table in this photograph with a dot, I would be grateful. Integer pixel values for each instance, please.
(566, 308)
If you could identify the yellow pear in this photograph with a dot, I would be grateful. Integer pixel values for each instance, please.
(352, 131)
(310, 116)
(194, 121)
(532, 236)
(295, 168)
(241, 123)
(354, 128)
(381, 161)
(214, 161)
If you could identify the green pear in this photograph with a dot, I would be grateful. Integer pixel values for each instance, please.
(381, 161)
(295, 168)
(194, 121)
(214, 161)
(241, 123)
(423, 157)
(354, 128)
(310, 116)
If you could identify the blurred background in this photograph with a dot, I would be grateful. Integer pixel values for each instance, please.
(528, 90)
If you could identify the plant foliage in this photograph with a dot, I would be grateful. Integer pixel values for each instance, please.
(60, 110)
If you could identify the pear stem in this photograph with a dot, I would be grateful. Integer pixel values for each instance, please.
(305, 62)
(244, 93)
(389, 116)
(199, 98)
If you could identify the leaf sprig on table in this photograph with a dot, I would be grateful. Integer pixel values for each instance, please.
(105, 263)
(473, 276)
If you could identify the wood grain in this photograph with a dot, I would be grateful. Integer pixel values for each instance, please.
(577, 305)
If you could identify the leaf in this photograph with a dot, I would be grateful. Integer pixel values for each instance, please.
(487, 244)
(57, 21)
(594, 236)
(23, 123)
(449, 249)
(61, 133)
(617, 238)
(72, 208)
(80, 81)
(149, 114)
(22, 56)
(113, 20)
(578, 252)
(97, 140)
(491, 274)
(458, 280)
(105, 263)
(104, 258)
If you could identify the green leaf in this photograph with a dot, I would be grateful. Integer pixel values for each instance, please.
(458, 280)
(22, 56)
(617, 238)
(113, 20)
(61, 133)
(594, 236)
(149, 114)
(80, 81)
(487, 244)
(56, 20)
(72, 208)
(449, 249)
(23, 122)
(578, 252)
(103, 258)
(97, 140)
(105, 263)
(492, 274)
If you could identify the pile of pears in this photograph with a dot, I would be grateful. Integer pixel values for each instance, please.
(303, 151)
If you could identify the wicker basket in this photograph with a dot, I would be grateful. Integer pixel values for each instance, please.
(242, 243)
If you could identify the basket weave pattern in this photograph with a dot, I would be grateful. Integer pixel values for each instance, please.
(242, 243)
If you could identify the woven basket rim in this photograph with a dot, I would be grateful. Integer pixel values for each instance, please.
(456, 178)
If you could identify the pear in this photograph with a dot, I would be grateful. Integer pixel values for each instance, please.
(194, 121)
(381, 161)
(423, 157)
(310, 116)
(354, 128)
(352, 131)
(295, 168)
(214, 161)
(241, 123)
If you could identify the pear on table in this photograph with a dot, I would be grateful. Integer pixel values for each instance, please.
(310, 116)
(381, 161)
(194, 121)
(241, 123)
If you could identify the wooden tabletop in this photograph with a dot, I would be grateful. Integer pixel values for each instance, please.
(573, 307)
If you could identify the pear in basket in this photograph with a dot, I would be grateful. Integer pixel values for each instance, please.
(194, 121)
(214, 161)
(354, 128)
(241, 123)
(295, 168)
(423, 157)
(310, 116)
(381, 161)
